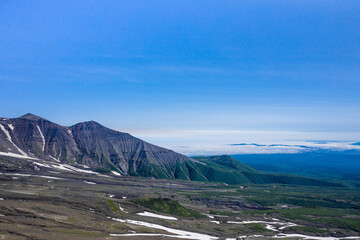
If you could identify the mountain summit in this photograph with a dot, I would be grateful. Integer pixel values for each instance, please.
(106, 150)
(31, 116)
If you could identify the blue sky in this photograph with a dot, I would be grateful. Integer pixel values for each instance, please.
(168, 66)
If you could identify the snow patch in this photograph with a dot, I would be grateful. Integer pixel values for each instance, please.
(16, 155)
(122, 209)
(30, 175)
(69, 131)
(272, 226)
(55, 159)
(40, 164)
(283, 235)
(149, 214)
(213, 221)
(78, 169)
(11, 127)
(116, 173)
(9, 138)
(89, 182)
(42, 137)
(48, 177)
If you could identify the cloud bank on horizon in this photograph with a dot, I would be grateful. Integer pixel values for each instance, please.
(255, 148)
(210, 142)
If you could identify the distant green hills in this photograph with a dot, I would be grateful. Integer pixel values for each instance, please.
(228, 170)
(319, 163)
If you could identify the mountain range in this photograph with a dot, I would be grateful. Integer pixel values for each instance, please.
(108, 151)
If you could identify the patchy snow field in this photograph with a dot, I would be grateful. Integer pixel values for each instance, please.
(177, 233)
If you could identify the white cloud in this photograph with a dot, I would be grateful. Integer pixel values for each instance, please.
(216, 142)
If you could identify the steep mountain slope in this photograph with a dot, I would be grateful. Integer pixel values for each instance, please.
(94, 145)
(100, 146)
(30, 135)
(106, 150)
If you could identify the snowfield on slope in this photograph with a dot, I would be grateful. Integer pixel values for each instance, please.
(149, 214)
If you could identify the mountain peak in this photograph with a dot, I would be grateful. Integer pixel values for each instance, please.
(30, 116)
(90, 124)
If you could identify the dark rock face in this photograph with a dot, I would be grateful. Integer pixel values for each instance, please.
(123, 152)
(38, 137)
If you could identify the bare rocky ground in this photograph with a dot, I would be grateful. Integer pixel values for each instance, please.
(39, 201)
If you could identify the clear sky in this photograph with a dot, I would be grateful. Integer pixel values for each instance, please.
(149, 67)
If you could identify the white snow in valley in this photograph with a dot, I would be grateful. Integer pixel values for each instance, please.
(251, 236)
(213, 221)
(23, 192)
(61, 167)
(272, 226)
(10, 140)
(111, 195)
(16, 155)
(48, 177)
(283, 235)
(177, 233)
(154, 215)
(42, 137)
(122, 209)
(116, 173)
(55, 159)
(141, 234)
(70, 168)
(40, 164)
(66, 166)
(31, 175)
(89, 182)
